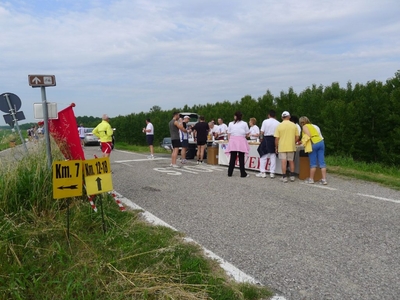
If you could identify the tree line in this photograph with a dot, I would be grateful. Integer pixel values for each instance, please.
(361, 121)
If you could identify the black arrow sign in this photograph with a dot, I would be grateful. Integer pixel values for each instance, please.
(71, 187)
(99, 188)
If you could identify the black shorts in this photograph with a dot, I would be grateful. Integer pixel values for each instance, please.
(185, 143)
(201, 143)
(150, 139)
(176, 143)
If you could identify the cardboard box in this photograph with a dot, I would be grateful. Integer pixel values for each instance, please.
(304, 172)
(212, 155)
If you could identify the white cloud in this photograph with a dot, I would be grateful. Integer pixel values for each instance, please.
(126, 56)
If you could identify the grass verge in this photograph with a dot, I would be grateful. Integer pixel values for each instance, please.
(372, 172)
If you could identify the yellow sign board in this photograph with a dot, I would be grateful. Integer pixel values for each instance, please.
(98, 175)
(67, 179)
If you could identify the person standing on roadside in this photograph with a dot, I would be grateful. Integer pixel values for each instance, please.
(214, 130)
(149, 130)
(286, 135)
(267, 146)
(105, 133)
(222, 130)
(237, 145)
(174, 127)
(184, 138)
(200, 130)
(254, 133)
(81, 131)
(313, 134)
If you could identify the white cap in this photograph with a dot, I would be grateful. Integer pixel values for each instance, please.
(285, 114)
(186, 117)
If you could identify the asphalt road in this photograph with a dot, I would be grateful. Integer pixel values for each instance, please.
(339, 241)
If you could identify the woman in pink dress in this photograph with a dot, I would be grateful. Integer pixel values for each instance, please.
(238, 145)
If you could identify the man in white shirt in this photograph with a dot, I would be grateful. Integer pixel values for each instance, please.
(267, 146)
(81, 131)
(222, 130)
(149, 130)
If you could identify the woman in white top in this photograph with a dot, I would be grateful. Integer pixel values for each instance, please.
(238, 145)
(254, 130)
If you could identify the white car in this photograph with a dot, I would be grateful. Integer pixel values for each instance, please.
(90, 138)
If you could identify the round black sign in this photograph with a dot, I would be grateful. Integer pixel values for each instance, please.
(14, 101)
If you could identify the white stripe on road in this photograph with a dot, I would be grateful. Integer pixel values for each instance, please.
(379, 198)
(230, 269)
(321, 186)
(140, 159)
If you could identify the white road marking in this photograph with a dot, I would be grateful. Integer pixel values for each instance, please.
(321, 186)
(379, 198)
(140, 159)
(230, 269)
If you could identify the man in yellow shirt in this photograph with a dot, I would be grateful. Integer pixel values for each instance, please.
(286, 135)
(105, 133)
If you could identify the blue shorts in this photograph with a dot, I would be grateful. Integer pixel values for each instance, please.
(150, 139)
(317, 156)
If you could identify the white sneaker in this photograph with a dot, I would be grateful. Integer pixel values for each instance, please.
(272, 175)
(150, 157)
(261, 174)
(309, 181)
(174, 166)
(292, 178)
(323, 181)
(183, 161)
(284, 179)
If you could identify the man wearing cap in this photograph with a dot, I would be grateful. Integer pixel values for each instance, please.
(105, 133)
(184, 135)
(286, 135)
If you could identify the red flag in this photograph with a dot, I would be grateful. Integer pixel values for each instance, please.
(64, 131)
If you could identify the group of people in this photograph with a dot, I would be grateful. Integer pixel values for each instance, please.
(34, 133)
(276, 139)
(200, 132)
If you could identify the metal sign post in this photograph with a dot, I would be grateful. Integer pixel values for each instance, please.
(46, 126)
(42, 81)
(12, 112)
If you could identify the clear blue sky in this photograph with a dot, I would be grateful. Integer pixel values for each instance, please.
(121, 57)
